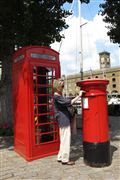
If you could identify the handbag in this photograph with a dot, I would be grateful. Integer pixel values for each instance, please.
(72, 110)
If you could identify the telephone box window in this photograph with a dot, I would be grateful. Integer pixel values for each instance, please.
(45, 127)
(43, 56)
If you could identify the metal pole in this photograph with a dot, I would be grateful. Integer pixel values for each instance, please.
(81, 48)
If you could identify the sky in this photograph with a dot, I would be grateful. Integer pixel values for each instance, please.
(94, 39)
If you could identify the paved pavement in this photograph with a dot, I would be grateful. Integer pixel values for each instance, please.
(13, 166)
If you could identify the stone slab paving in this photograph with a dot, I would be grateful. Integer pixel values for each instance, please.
(13, 166)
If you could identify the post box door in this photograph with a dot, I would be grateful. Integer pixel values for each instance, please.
(45, 128)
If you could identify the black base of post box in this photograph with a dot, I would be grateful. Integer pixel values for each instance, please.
(97, 154)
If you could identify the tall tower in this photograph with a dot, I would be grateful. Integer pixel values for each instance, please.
(104, 58)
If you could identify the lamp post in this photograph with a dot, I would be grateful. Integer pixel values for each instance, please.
(81, 47)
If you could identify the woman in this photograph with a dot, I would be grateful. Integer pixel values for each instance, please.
(63, 117)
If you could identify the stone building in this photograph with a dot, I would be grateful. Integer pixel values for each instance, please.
(105, 72)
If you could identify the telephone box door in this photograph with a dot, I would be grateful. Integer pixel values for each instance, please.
(45, 129)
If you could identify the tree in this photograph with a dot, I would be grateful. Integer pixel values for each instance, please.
(110, 10)
(70, 1)
(23, 23)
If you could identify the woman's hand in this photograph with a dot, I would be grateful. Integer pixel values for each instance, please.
(77, 97)
(81, 93)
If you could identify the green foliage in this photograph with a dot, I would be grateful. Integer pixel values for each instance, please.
(85, 1)
(7, 132)
(61, 2)
(110, 10)
(30, 22)
(6, 129)
(24, 23)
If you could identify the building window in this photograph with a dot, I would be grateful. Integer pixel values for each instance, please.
(102, 62)
(113, 79)
(96, 76)
(114, 85)
(114, 92)
(70, 94)
(113, 74)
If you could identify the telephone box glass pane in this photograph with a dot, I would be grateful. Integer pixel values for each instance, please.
(46, 129)
(43, 56)
(39, 139)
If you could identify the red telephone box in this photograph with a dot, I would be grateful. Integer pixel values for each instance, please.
(36, 133)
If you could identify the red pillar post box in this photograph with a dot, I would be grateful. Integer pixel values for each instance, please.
(36, 133)
(96, 144)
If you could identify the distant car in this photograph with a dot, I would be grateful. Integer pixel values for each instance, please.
(114, 101)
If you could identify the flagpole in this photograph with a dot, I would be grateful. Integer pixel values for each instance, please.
(81, 48)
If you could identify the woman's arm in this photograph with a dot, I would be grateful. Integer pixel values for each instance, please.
(62, 101)
(77, 97)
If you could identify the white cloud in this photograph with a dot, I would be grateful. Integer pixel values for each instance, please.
(94, 40)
